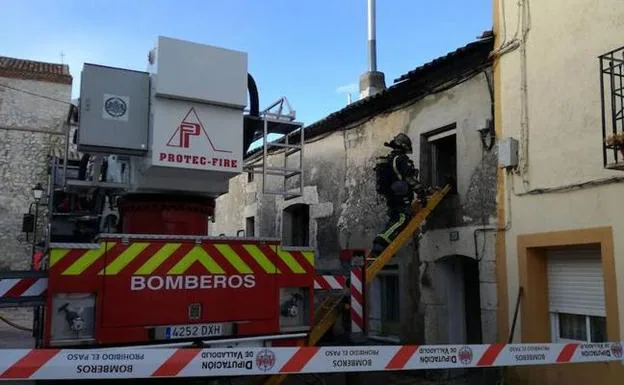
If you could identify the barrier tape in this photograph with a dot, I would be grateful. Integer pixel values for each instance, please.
(49, 364)
(22, 287)
(330, 282)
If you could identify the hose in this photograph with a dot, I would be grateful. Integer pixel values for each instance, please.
(16, 326)
(254, 111)
(254, 100)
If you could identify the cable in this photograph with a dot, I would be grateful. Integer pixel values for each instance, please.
(16, 326)
(485, 148)
(570, 187)
(36, 94)
(509, 188)
(524, 96)
(513, 43)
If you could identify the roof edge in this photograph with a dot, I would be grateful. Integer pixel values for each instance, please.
(25, 69)
(429, 77)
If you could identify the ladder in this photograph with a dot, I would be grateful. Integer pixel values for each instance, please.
(328, 311)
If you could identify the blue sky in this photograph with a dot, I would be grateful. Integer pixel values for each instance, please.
(307, 51)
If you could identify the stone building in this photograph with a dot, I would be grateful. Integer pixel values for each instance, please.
(440, 289)
(34, 104)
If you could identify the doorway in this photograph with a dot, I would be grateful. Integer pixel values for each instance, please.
(459, 288)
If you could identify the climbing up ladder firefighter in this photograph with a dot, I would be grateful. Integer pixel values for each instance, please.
(330, 308)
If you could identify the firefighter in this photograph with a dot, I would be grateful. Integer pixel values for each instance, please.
(397, 182)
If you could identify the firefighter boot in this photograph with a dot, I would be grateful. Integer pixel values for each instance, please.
(379, 245)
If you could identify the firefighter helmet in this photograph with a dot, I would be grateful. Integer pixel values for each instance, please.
(402, 142)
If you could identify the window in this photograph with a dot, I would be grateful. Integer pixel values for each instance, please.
(296, 225)
(384, 304)
(250, 177)
(576, 327)
(439, 158)
(250, 226)
(576, 294)
(389, 298)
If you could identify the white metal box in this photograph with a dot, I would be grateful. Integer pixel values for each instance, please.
(198, 72)
(508, 153)
(194, 147)
(196, 136)
(114, 110)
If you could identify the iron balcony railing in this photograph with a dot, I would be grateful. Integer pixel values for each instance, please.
(612, 103)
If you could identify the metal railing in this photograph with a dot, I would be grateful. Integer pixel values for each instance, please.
(612, 103)
(279, 118)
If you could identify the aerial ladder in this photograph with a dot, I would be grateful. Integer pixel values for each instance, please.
(330, 309)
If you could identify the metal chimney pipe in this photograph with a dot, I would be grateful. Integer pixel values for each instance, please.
(372, 41)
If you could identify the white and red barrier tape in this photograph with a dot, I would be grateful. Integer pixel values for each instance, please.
(357, 301)
(22, 287)
(330, 282)
(44, 364)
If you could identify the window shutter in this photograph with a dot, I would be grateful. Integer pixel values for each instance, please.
(575, 281)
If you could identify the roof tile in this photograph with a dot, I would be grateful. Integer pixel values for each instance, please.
(34, 70)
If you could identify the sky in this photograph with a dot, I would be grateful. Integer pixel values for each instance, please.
(311, 52)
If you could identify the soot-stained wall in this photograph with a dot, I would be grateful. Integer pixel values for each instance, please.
(345, 211)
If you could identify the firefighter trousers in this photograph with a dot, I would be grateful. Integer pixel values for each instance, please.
(399, 214)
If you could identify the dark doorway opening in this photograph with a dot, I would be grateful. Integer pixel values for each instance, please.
(458, 282)
(296, 225)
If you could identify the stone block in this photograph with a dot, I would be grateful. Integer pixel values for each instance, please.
(488, 326)
(487, 272)
(322, 210)
(436, 321)
(488, 296)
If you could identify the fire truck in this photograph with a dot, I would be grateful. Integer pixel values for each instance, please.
(128, 259)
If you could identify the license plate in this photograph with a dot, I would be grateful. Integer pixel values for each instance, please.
(196, 330)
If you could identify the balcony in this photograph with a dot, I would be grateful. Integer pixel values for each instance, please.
(612, 102)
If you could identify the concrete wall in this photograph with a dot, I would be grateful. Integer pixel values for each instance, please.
(562, 115)
(345, 212)
(29, 127)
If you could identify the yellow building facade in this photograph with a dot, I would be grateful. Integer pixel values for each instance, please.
(560, 211)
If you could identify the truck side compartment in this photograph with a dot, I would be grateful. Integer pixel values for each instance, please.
(143, 289)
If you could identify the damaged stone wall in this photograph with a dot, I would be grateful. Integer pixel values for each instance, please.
(324, 167)
(340, 185)
(30, 127)
(456, 228)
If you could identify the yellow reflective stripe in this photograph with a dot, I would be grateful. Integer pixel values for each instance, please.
(124, 258)
(87, 259)
(396, 225)
(262, 259)
(234, 259)
(309, 256)
(196, 254)
(159, 257)
(56, 255)
(290, 261)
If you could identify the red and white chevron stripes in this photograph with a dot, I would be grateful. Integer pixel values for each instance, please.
(126, 363)
(330, 282)
(357, 301)
(11, 288)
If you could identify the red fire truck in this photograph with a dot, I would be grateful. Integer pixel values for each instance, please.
(129, 259)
